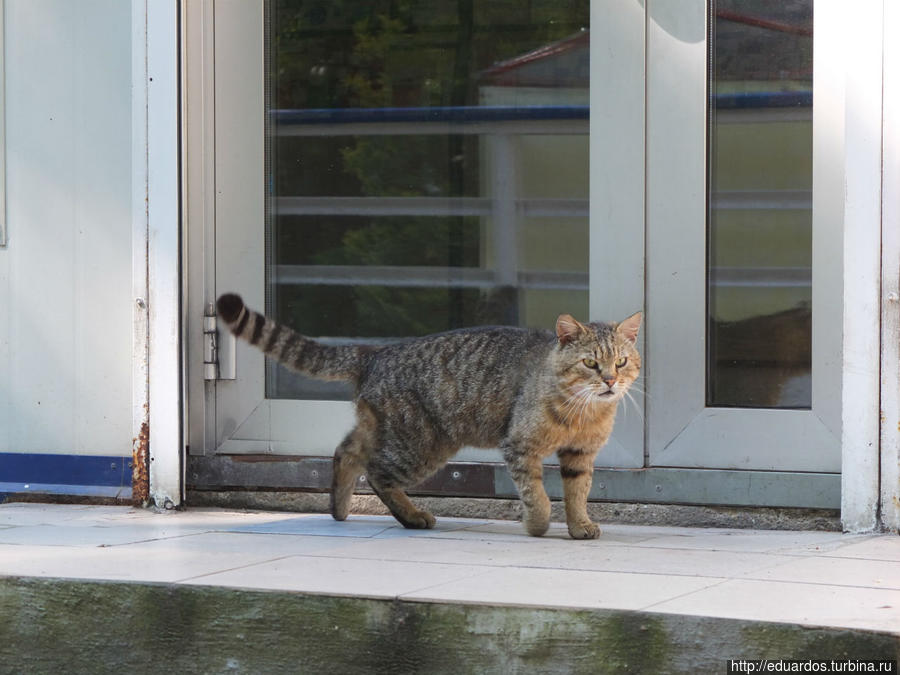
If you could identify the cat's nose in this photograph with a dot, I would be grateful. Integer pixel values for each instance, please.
(610, 381)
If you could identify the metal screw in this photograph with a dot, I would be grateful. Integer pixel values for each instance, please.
(362, 479)
(456, 475)
(659, 488)
(140, 303)
(602, 486)
(314, 473)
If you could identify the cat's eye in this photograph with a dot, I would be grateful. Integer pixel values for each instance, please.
(589, 362)
(621, 361)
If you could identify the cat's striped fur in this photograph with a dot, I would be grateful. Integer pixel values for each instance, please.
(528, 392)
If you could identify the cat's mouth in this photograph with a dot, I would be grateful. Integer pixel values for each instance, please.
(609, 393)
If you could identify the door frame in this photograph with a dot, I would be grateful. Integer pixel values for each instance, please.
(156, 227)
(245, 421)
(683, 430)
(860, 155)
(887, 515)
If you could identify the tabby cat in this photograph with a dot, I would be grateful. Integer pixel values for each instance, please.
(528, 392)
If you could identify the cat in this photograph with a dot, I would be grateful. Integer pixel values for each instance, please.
(528, 392)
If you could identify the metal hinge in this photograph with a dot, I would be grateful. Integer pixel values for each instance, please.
(210, 347)
(218, 350)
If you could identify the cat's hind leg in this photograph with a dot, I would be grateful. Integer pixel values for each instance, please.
(350, 462)
(406, 455)
(393, 467)
(346, 470)
(402, 508)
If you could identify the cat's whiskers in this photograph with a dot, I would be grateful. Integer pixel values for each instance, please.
(588, 402)
(638, 383)
(634, 386)
(621, 392)
(568, 404)
(577, 402)
(636, 406)
(584, 403)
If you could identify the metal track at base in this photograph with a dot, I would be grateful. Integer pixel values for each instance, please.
(709, 487)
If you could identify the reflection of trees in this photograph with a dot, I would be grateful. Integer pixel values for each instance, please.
(404, 53)
(381, 54)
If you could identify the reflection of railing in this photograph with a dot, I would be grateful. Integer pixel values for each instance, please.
(762, 107)
(456, 114)
(424, 277)
(425, 206)
(500, 124)
(755, 200)
(474, 277)
(546, 119)
(761, 200)
(475, 119)
(286, 121)
(761, 277)
(763, 99)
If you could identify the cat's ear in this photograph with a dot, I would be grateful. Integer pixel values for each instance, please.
(629, 327)
(567, 328)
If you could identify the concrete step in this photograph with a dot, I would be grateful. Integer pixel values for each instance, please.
(99, 589)
(64, 625)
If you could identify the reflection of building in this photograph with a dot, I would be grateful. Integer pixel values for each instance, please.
(562, 67)
(539, 179)
(760, 209)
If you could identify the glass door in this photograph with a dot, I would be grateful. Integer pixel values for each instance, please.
(743, 240)
(387, 170)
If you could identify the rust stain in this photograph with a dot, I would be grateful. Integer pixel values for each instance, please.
(140, 467)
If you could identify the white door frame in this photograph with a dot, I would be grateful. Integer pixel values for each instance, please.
(861, 26)
(683, 431)
(890, 295)
(853, 65)
(246, 421)
(156, 225)
(617, 179)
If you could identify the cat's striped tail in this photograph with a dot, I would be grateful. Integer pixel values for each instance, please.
(287, 346)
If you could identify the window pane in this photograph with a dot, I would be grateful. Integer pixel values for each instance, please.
(760, 203)
(428, 168)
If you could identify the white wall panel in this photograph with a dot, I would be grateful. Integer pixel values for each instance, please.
(65, 277)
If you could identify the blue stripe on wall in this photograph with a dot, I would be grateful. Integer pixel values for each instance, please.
(102, 476)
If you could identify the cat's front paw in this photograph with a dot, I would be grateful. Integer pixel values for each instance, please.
(419, 520)
(537, 520)
(584, 530)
